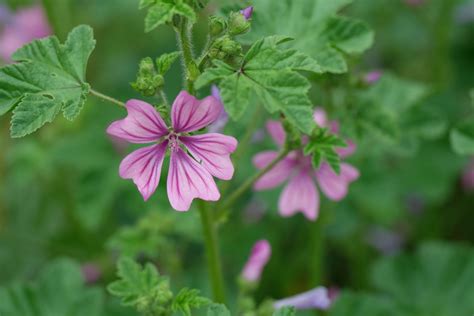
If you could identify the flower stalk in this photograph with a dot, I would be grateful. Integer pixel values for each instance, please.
(106, 98)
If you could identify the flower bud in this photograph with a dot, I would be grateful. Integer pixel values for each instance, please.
(259, 257)
(217, 25)
(148, 81)
(317, 298)
(247, 12)
(238, 24)
(224, 48)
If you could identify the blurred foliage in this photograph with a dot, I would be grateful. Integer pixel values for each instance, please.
(61, 195)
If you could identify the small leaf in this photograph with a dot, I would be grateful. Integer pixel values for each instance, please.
(322, 147)
(47, 78)
(188, 299)
(285, 311)
(162, 12)
(218, 310)
(164, 62)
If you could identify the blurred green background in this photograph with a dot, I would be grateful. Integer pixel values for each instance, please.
(60, 194)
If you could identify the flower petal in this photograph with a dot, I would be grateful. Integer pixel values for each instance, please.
(190, 114)
(277, 175)
(300, 194)
(214, 151)
(143, 124)
(335, 186)
(187, 180)
(320, 117)
(144, 167)
(277, 132)
(258, 259)
(347, 151)
(317, 298)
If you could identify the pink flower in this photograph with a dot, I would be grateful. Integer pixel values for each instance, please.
(194, 159)
(372, 77)
(26, 25)
(300, 194)
(247, 12)
(468, 177)
(259, 257)
(317, 298)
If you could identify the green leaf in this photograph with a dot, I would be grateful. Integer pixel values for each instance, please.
(164, 62)
(142, 288)
(269, 76)
(317, 30)
(462, 139)
(59, 290)
(48, 78)
(217, 310)
(437, 280)
(188, 299)
(285, 311)
(162, 12)
(322, 146)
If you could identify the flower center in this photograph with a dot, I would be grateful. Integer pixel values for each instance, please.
(173, 141)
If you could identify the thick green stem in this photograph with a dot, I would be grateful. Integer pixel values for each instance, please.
(106, 98)
(250, 182)
(213, 254)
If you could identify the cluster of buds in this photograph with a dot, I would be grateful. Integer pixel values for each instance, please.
(223, 30)
(149, 81)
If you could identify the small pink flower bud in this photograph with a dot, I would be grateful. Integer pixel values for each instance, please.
(318, 298)
(373, 76)
(247, 12)
(259, 257)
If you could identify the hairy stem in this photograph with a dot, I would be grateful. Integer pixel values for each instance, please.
(189, 64)
(250, 182)
(106, 98)
(213, 254)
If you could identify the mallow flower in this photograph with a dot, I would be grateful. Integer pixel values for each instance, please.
(373, 76)
(194, 159)
(21, 28)
(318, 298)
(300, 194)
(247, 12)
(259, 257)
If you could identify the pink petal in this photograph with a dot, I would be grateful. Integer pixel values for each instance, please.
(143, 124)
(347, 151)
(335, 186)
(259, 258)
(32, 22)
(214, 151)
(187, 180)
(300, 194)
(190, 114)
(317, 298)
(320, 117)
(10, 41)
(144, 167)
(277, 175)
(277, 132)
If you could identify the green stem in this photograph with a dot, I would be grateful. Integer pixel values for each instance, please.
(212, 250)
(190, 67)
(106, 98)
(164, 98)
(250, 182)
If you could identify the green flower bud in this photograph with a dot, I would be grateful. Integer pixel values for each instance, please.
(225, 48)
(238, 24)
(217, 25)
(148, 81)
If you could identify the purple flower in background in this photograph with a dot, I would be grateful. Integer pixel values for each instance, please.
(468, 177)
(373, 76)
(300, 194)
(247, 12)
(223, 117)
(189, 176)
(258, 259)
(317, 298)
(385, 241)
(91, 273)
(21, 28)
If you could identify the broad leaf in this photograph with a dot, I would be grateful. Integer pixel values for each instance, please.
(270, 77)
(48, 78)
(317, 28)
(59, 290)
(162, 12)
